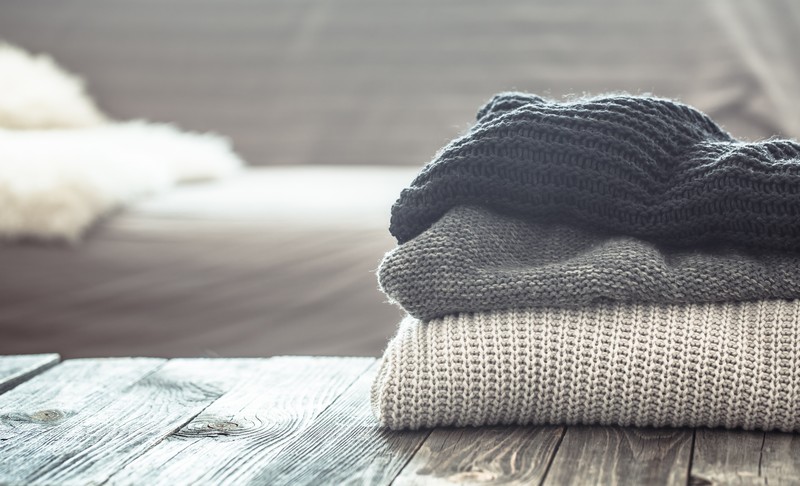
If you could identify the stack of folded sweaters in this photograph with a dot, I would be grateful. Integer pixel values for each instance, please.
(613, 260)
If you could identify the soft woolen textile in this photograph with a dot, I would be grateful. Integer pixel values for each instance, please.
(474, 259)
(56, 183)
(36, 94)
(729, 365)
(641, 166)
(64, 165)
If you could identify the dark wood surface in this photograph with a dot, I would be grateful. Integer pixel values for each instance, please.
(277, 260)
(304, 420)
(615, 455)
(511, 455)
(745, 457)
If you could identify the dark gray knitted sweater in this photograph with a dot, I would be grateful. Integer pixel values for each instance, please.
(474, 260)
(645, 167)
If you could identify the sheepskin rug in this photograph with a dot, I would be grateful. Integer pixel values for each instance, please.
(63, 164)
(36, 93)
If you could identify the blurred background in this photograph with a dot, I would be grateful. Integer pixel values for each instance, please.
(334, 105)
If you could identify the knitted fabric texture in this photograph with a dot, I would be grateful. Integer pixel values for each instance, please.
(645, 167)
(474, 259)
(729, 365)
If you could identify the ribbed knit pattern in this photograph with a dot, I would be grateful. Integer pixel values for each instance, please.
(645, 167)
(730, 365)
(474, 259)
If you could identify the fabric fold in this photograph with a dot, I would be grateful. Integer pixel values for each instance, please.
(474, 259)
(642, 166)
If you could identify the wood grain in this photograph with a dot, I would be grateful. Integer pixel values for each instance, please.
(616, 455)
(70, 391)
(497, 455)
(745, 457)
(303, 420)
(16, 369)
(232, 440)
(89, 445)
(780, 459)
(344, 445)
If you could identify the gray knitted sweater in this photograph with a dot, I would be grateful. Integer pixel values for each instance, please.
(474, 259)
(646, 167)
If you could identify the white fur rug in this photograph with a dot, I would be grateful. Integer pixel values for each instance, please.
(63, 165)
(36, 93)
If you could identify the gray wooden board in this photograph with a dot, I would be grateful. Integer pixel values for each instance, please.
(98, 441)
(344, 445)
(780, 458)
(238, 434)
(16, 369)
(617, 455)
(499, 455)
(722, 456)
(745, 457)
(60, 395)
(302, 420)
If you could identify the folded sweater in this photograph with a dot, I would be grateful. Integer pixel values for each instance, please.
(646, 167)
(729, 365)
(474, 259)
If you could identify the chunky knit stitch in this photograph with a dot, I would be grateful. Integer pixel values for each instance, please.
(473, 259)
(645, 167)
(729, 365)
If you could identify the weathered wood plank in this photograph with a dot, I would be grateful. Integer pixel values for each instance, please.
(780, 459)
(16, 369)
(617, 455)
(61, 394)
(726, 457)
(344, 445)
(230, 442)
(95, 443)
(745, 457)
(506, 455)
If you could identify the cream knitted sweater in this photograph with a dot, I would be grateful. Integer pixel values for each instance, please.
(716, 364)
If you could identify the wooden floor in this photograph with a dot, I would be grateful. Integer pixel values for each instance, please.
(303, 420)
(236, 268)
